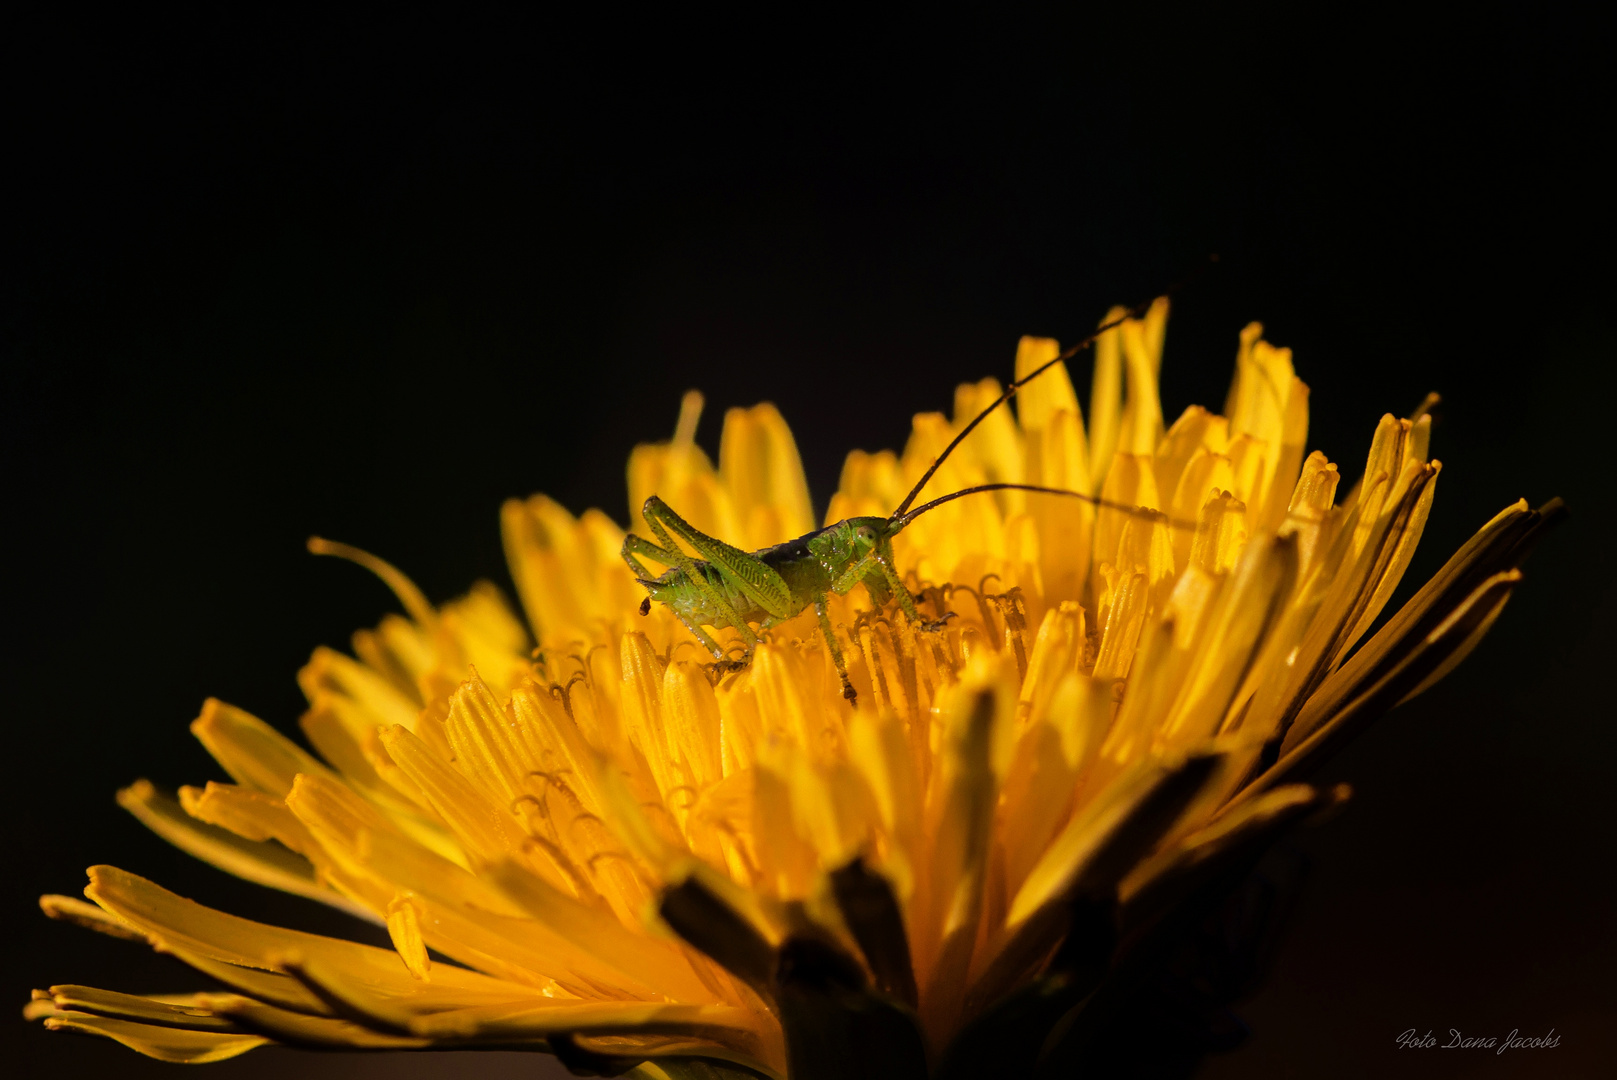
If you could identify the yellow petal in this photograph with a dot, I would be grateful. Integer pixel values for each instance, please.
(1335, 717)
(1106, 397)
(1196, 431)
(182, 1011)
(537, 1021)
(1311, 502)
(404, 928)
(881, 750)
(330, 672)
(1247, 608)
(997, 444)
(786, 860)
(1050, 758)
(301, 1030)
(1332, 601)
(1141, 427)
(488, 742)
(759, 463)
(1221, 530)
(1403, 552)
(253, 753)
(655, 961)
(341, 732)
(1135, 811)
(1287, 461)
(191, 927)
(960, 824)
(1102, 841)
(692, 722)
(1130, 482)
(1058, 458)
(1039, 401)
(266, 863)
(163, 1043)
(280, 991)
(567, 571)
(1124, 621)
(487, 832)
(1172, 870)
(72, 909)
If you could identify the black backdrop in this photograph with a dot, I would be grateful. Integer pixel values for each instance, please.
(268, 275)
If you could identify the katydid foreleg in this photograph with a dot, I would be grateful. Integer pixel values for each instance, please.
(879, 577)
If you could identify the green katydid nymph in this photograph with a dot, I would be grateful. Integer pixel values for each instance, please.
(723, 586)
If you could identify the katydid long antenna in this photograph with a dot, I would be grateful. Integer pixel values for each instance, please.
(898, 521)
(902, 515)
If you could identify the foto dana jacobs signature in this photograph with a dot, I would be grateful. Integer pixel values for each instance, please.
(1413, 1040)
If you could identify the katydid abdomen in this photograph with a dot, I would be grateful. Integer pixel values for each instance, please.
(695, 605)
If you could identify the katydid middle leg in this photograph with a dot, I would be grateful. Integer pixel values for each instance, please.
(832, 644)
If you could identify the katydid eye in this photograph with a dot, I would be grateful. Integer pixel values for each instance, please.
(865, 533)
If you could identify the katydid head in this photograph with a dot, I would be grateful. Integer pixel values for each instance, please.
(849, 541)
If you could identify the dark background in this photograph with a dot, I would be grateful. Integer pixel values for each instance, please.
(269, 275)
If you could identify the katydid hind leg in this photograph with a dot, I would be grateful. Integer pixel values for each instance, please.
(697, 580)
(634, 545)
(746, 573)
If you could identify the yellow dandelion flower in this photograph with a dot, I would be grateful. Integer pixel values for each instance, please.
(612, 849)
